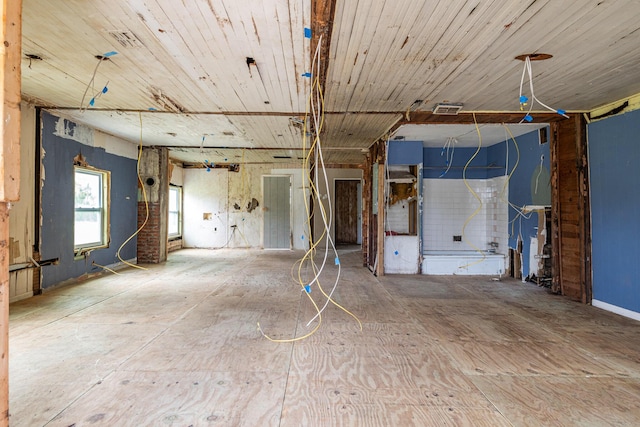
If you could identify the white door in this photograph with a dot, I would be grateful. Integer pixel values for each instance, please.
(277, 212)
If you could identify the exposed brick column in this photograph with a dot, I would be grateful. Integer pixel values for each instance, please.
(152, 238)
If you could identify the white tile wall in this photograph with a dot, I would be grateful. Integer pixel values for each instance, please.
(448, 205)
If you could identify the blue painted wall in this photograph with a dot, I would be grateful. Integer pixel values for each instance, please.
(614, 160)
(58, 204)
(523, 189)
(435, 163)
(404, 152)
(490, 163)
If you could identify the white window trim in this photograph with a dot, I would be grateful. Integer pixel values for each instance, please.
(82, 250)
(177, 235)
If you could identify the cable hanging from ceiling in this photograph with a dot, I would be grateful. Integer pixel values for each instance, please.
(524, 100)
(96, 94)
(313, 166)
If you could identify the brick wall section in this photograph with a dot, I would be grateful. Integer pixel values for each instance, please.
(149, 237)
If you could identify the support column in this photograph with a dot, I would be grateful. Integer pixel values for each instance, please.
(153, 213)
(11, 37)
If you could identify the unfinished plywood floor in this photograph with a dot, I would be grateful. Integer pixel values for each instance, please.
(177, 345)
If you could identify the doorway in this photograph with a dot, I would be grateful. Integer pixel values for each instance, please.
(348, 196)
(277, 212)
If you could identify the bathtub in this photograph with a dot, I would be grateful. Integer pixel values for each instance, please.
(463, 263)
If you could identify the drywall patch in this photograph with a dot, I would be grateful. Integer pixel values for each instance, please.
(69, 130)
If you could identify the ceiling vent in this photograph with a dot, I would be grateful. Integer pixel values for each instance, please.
(449, 109)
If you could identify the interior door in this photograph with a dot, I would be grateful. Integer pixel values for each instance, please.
(346, 195)
(277, 212)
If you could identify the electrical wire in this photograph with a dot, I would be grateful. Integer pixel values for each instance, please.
(448, 145)
(539, 173)
(315, 113)
(146, 204)
(475, 195)
(105, 268)
(523, 99)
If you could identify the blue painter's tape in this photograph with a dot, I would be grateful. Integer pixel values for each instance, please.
(152, 109)
(528, 118)
(307, 33)
(302, 237)
(306, 75)
(523, 99)
(337, 261)
(562, 112)
(105, 89)
(396, 253)
(308, 289)
(108, 54)
(92, 102)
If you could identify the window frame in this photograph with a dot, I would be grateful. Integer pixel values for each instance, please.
(103, 210)
(173, 236)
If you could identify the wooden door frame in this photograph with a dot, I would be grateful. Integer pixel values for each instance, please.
(335, 199)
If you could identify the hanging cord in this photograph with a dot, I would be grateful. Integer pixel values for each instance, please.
(315, 106)
(146, 204)
(539, 173)
(101, 59)
(523, 99)
(475, 195)
(448, 145)
(518, 209)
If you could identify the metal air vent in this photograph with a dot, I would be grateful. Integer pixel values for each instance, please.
(447, 109)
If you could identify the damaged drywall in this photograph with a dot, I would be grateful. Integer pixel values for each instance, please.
(223, 208)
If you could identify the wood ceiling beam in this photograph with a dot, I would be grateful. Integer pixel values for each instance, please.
(322, 16)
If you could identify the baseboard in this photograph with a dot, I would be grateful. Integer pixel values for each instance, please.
(615, 309)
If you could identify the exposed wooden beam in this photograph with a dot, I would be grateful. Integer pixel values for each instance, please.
(10, 51)
(322, 15)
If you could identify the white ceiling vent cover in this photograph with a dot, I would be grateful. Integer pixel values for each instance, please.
(447, 109)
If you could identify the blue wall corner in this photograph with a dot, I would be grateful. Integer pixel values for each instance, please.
(58, 204)
(529, 185)
(404, 152)
(614, 156)
(435, 163)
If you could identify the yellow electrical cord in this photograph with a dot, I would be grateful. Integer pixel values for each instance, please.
(313, 191)
(105, 268)
(479, 208)
(146, 204)
(518, 209)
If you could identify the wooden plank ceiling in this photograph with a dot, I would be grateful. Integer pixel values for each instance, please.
(234, 71)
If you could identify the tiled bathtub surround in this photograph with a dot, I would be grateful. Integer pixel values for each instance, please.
(448, 204)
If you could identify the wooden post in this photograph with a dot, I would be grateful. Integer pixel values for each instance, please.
(10, 52)
(381, 215)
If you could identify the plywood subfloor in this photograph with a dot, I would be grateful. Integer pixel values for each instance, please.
(178, 345)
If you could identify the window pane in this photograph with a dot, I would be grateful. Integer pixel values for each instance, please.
(173, 199)
(88, 228)
(91, 209)
(173, 223)
(88, 190)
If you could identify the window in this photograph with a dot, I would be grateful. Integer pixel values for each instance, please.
(91, 223)
(175, 211)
